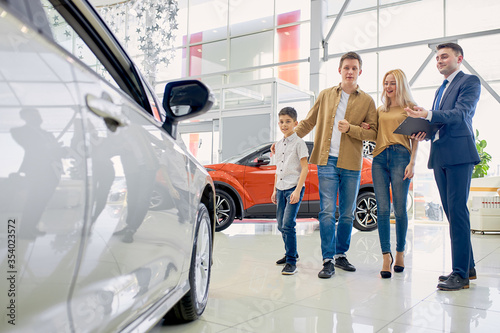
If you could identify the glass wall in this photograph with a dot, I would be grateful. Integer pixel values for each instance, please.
(400, 34)
(232, 41)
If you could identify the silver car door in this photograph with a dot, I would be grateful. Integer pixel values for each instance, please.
(136, 239)
(42, 192)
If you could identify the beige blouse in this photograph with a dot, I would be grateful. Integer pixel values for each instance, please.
(387, 123)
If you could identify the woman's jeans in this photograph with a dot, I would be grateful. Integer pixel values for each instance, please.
(286, 214)
(333, 180)
(388, 168)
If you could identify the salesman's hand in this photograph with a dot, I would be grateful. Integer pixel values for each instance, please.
(273, 148)
(420, 136)
(416, 112)
(344, 126)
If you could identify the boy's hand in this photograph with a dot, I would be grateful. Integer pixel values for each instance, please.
(294, 197)
(273, 197)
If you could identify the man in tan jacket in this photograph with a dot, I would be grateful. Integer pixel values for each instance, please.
(338, 143)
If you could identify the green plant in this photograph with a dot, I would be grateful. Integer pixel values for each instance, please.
(481, 169)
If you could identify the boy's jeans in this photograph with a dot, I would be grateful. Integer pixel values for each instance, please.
(346, 182)
(388, 167)
(286, 214)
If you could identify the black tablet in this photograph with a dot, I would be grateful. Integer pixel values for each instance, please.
(412, 126)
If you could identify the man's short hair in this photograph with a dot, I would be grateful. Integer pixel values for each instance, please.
(288, 111)
(350, 55)
(457, 49)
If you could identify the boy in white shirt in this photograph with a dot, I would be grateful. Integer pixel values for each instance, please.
(289, 182)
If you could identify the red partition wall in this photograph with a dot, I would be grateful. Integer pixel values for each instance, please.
(288, 46)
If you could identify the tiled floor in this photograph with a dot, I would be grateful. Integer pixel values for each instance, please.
(249, 294)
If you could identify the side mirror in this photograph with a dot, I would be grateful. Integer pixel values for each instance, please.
(186, 99)
(183, 100)
(261, 160)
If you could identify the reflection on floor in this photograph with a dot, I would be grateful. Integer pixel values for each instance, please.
(249, 294)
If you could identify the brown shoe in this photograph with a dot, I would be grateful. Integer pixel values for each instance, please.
(472, 275)
(454, 282)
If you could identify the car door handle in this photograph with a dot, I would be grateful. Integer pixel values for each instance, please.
(110, 112)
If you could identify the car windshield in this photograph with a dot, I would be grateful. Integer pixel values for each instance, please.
(240, 156)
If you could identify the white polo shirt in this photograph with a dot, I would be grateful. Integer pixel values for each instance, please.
(289, 152)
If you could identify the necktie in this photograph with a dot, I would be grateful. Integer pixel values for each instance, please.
(440, 94)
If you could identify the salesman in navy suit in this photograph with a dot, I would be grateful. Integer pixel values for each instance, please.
(453, 156)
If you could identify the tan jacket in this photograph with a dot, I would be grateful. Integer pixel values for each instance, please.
(360, 108)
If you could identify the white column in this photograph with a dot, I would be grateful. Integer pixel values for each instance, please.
(319, 10)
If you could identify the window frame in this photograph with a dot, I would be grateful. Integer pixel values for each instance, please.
(89, 26)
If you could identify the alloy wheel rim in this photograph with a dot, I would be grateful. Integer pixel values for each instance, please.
(366, 212)
(222, 209)
(202, 261)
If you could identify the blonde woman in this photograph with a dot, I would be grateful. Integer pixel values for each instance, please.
(393, 163)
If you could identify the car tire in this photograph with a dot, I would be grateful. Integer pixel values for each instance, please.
(225, 210)
(365, 216)
(192, 305)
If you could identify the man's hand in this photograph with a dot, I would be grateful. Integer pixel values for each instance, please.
(273, 148)
(416, 112)
(344, 126)
(420, 136)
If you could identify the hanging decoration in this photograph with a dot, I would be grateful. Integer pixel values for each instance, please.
(146, 28)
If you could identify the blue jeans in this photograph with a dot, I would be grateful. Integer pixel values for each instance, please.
(286, 214)
(388, 169)
(345, 183)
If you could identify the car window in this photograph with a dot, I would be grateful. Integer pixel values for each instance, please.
(158, 112)
(310, 147)
(260, 154)
(263, 154)
(243, 155)
(64, 35)
(81, 32)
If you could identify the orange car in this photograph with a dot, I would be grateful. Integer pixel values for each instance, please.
(244, 184)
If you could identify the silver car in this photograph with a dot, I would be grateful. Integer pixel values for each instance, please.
(106, 219)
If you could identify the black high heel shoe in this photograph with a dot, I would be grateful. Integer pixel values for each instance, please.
(399, 269)
(387, 274)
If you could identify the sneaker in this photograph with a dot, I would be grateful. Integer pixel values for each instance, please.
(282, 261)
(327, 271)
(289, 269)
(343, 263)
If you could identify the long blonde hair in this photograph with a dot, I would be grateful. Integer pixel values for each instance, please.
(403, 92)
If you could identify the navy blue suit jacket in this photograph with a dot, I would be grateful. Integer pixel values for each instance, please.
(456, 144)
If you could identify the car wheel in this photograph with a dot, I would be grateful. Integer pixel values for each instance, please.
(365, 216)
(225, 209)
(192, 305)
